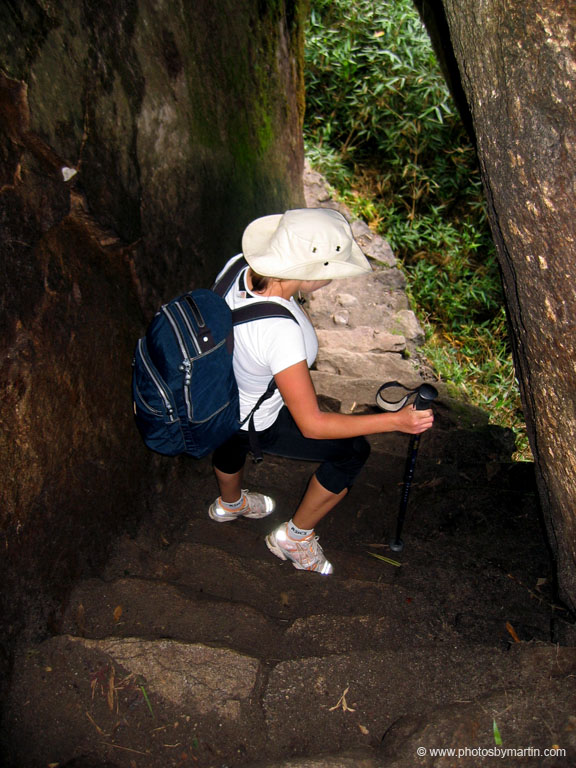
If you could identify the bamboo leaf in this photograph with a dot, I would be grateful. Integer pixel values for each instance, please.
(496, 732)
(147, 700)
(385, 559)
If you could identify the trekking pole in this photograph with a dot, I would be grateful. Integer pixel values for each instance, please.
(425, 395)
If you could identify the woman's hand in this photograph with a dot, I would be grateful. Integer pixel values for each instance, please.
(414, 422)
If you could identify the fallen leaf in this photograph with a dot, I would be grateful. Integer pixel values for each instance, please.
(117, 613)
(512, 632)
(434, 483)
(342, 703)
(571, 725)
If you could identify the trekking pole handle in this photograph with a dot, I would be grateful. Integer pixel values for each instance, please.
(425, 396)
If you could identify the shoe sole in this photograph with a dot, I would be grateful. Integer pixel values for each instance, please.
(276, 550)
(225, 519)
(221, 518)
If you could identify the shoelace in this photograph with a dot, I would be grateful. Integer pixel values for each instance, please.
(308, 548)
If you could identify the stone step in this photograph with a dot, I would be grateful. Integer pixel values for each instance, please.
(131, 698)
(354, 393)
(370, 604)
(133, 607)
(270, 585)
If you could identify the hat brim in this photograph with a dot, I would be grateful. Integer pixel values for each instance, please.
(261, 257)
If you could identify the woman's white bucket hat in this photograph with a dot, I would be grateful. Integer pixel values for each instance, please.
(304, 244)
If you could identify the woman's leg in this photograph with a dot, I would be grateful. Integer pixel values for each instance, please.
(295, 540)
(340, 462)
(230, 485)
(315, 504)
(228, 463)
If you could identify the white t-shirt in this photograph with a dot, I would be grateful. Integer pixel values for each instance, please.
(263, 348)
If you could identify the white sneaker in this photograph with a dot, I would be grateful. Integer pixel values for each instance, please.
(254, 506)
(305, 554)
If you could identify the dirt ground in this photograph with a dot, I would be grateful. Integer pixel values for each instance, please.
(197, 647)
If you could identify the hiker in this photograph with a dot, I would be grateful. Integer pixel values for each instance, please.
(290, 254)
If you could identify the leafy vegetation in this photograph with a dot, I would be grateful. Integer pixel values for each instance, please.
(383, 129)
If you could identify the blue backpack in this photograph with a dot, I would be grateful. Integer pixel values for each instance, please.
(183, 387)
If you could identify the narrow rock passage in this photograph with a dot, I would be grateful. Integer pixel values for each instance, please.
(196, 647)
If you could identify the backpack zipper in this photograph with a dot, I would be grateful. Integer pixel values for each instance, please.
(189, 328)
(159, 385)
(186, 364)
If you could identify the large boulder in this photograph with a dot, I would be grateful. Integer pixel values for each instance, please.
(136, 141)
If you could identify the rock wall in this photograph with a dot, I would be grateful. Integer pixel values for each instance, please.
(365, 326)
(517, 65)
(182, 119)
(137, 139)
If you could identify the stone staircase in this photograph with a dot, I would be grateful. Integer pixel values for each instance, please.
(197, 647)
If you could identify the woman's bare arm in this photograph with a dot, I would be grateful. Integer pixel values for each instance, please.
(297, 390)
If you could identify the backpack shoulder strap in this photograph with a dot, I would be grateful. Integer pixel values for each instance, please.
(224, 283)
(257, 311)
(260, 310)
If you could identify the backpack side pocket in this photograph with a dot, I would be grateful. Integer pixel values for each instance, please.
(155, 411)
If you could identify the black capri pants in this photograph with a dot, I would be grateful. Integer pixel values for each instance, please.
(340, 460)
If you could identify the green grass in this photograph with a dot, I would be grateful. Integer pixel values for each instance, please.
(382, 129)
